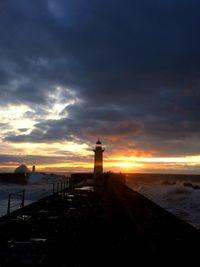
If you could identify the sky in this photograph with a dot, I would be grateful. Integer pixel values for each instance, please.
(124, 71)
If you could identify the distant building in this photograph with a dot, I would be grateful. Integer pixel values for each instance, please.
(22, 169)
(98, 159)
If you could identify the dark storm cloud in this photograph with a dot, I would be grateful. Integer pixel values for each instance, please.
(32, 159)
(134, 64)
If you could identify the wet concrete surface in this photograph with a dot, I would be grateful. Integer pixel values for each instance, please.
(110, 226)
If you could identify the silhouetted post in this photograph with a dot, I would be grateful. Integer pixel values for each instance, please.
(53, 188)
(57, 187)
(23, 199)
(61, 186)
(65, 187)
(9, 200)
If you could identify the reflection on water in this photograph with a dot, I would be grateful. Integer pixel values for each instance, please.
(85, 188)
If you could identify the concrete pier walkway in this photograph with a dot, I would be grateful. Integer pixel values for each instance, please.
(111, 226)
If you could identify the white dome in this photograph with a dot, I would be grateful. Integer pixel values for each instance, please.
(22, 169)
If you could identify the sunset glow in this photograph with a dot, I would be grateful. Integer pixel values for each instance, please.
(69, 77)
(71, 156)
(187, 159)
(126, 165)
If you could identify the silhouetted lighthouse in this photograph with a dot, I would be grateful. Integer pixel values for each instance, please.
(98, 159)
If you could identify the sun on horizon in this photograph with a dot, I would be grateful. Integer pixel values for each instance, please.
(72, 157)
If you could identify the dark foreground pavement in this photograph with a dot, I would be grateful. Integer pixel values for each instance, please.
(112, 226)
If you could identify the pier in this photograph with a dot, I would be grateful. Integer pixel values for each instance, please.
(99, 225)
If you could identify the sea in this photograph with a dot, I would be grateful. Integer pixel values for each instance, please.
(179, 194)
(39, 186)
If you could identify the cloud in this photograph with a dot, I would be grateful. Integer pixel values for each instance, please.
(127, 71)
(38, 159)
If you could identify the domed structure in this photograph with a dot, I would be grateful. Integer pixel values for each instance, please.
(22, 169)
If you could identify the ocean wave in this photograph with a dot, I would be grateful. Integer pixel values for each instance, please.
(181, 200)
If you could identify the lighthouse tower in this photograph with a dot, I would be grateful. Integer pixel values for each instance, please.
(98, 159)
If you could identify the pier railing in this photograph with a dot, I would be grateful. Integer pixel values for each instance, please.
(61, 186)
(16, 200)
(20, 194)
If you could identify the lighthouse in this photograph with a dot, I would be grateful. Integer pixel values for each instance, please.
(98, 159)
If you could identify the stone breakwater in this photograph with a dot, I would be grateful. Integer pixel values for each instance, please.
(110, 225)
